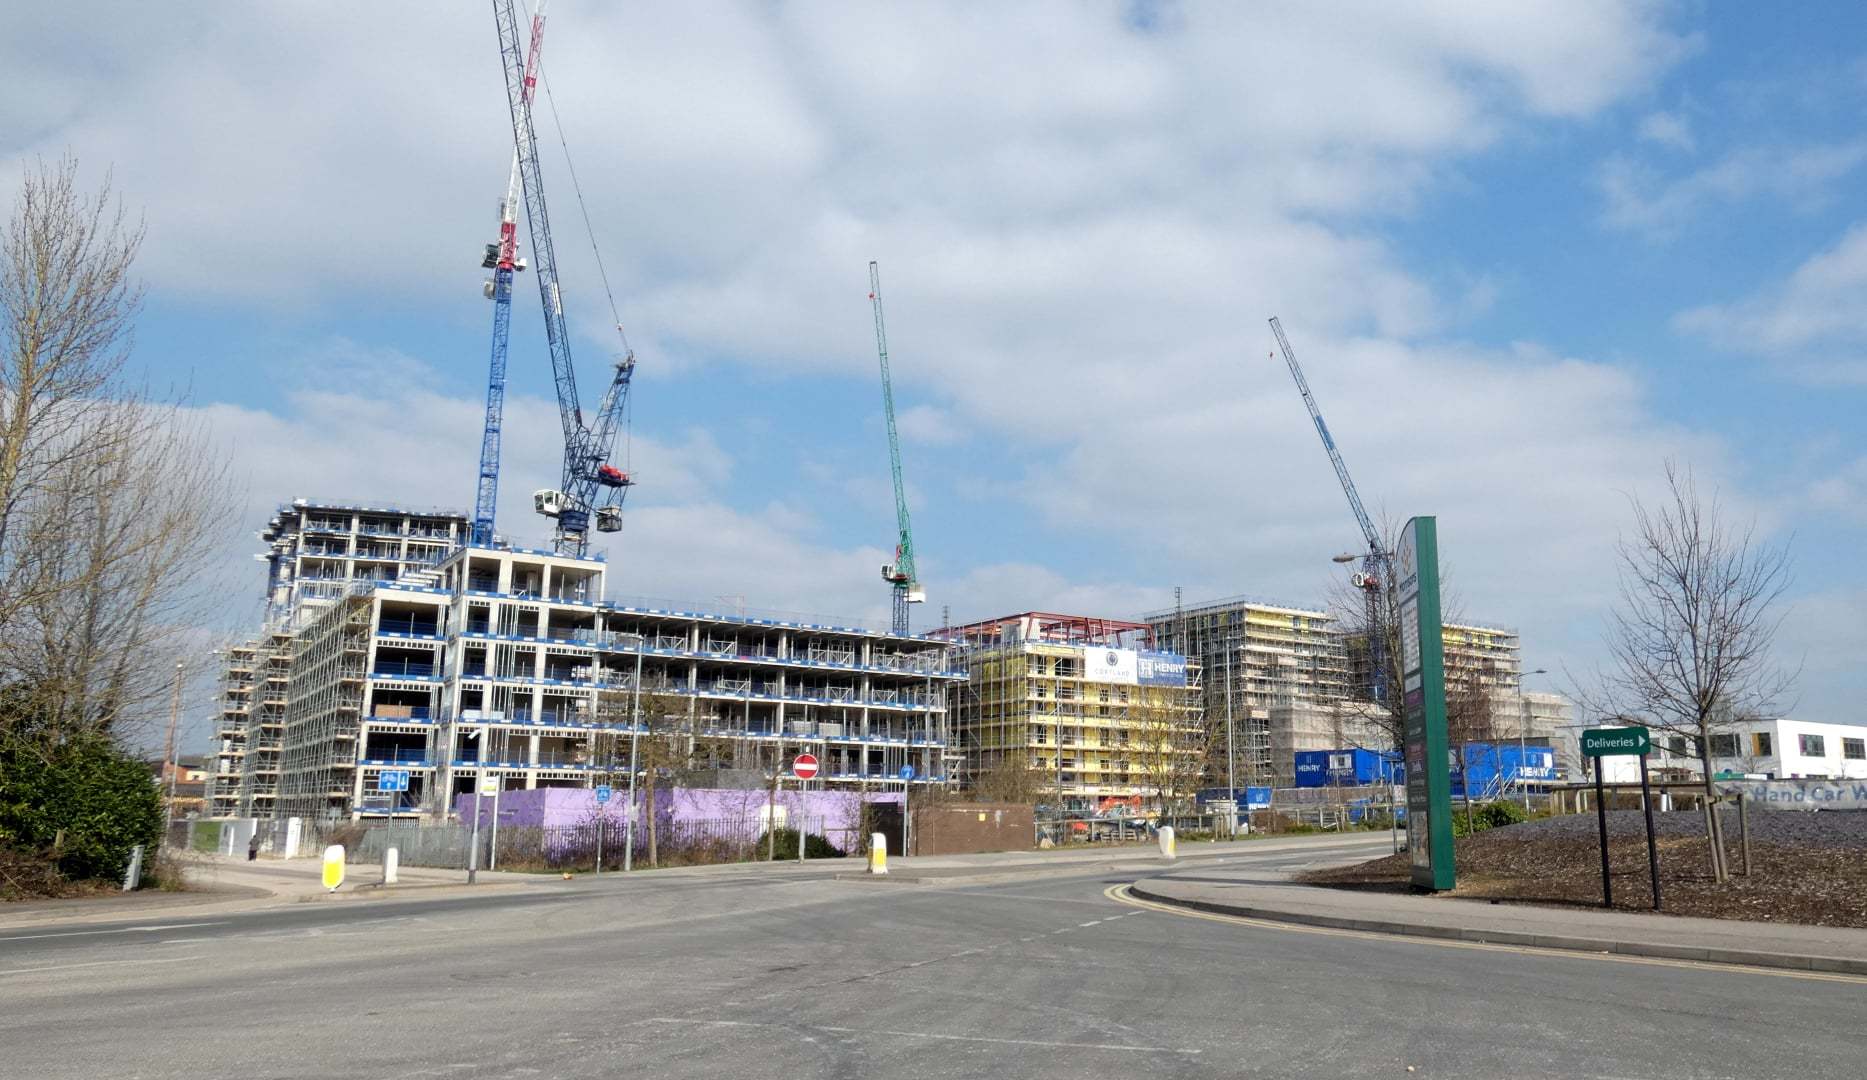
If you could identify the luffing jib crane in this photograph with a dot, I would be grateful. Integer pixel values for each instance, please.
(899, 574)
(1374, 565)
(591, 486)
(502, 258)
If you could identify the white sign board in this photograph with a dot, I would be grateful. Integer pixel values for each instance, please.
(1107, 665)
(489, 785)
(1800, 794)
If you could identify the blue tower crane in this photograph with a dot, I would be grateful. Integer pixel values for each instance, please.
(503, 260)
(590, 485)
(1373, 578)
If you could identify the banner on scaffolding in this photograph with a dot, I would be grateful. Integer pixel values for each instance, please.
(1130, 667)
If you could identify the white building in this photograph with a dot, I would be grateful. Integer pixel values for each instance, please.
(1774, 749)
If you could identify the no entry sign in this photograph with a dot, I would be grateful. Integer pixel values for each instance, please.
(804, 766)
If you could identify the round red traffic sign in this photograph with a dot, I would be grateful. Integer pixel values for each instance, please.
(804, 766)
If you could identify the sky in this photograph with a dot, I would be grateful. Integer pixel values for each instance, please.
(1526, 253)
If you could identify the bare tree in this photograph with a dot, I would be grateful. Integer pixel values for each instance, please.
(109, 501)
(1010, 778)
(1168, 740)
(1690, 643)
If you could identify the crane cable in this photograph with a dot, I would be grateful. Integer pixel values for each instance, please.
(602, 271)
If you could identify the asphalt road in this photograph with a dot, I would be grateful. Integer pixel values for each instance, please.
(751, 975)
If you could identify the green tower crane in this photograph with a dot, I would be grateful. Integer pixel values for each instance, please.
(899, 574)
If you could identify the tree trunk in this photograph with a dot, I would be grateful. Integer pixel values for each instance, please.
(648, 806)
(1714, 829)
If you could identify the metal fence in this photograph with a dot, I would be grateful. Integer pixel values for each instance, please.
(577, 847)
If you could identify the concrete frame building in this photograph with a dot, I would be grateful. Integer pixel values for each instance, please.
(315, 552)
(1087, 702)
(1279, 670)
(509, 661)
(389, 647)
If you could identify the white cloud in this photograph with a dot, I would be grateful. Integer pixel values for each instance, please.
(929, 424)
(1639, 198)
(1083, 225)
(1813, 324)
(1668, 129)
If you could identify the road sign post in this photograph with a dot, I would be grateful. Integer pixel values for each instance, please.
(1632, 741)
(1423, 688)
(602, 823)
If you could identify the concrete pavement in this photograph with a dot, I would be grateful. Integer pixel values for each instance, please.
(1253, 892)
(752, 972)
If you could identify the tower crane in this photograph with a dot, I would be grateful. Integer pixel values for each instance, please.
(899, 574)
(1373, 578)
(590, 485)
(503, 260)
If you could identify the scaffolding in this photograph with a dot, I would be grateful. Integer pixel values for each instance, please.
(323, 718)
(1262, 657)
(1029, 702)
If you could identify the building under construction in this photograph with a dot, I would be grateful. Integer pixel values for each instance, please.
(1088, 704)
(1278, 672)
(315, 554)
(405, 688)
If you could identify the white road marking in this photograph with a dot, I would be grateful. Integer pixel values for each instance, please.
(119, 930)
(1091, 922)
(924, 1035)
(100, 963)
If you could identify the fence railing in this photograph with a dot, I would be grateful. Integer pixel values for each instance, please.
(574, 847)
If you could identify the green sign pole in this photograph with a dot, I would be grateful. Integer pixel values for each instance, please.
(1423, 695)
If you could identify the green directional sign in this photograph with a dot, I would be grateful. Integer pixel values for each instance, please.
(1616, 742)
(1423, 695)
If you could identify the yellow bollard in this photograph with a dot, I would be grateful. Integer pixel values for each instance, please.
(333, 866)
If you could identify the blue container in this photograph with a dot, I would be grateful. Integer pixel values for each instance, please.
(1353, 767)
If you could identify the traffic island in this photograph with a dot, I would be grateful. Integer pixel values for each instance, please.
(1805, 868)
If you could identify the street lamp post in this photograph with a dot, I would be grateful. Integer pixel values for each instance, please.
(635, 742)
(168, 753)
(1231, 747)
(1523, 721)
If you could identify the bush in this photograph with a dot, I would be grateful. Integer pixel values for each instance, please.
(1491, 815)
(83, 802)
(784, 844)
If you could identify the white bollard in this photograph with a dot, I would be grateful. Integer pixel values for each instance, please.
(1166, 842)
(878, 853)
(391, 859)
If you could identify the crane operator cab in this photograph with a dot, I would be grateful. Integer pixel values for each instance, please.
(548, 502)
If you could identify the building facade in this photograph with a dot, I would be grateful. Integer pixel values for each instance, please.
(1086, 704)
(510, 663)
(1267, 669)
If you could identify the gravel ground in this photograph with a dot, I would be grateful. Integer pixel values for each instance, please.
(1797, 828)
(1806, 867)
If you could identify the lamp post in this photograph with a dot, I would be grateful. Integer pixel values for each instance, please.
(168, 752)
(1523, 721)
(635, 742)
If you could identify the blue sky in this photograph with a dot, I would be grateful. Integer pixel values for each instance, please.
(1526, 252)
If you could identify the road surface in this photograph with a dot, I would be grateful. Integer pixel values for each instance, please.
(748, 974)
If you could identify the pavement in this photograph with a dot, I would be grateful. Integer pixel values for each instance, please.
(777, 971)
(1257, 893)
